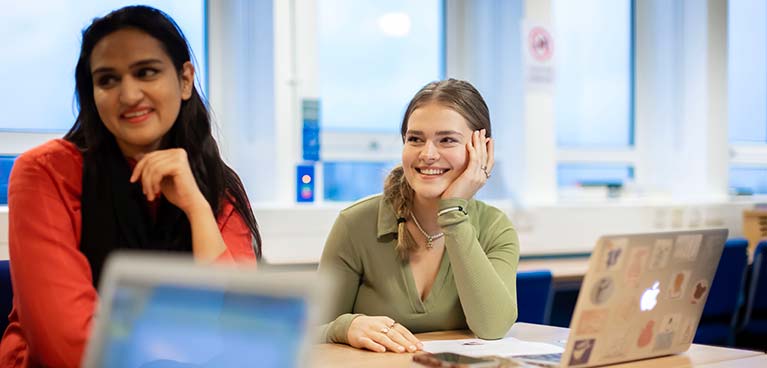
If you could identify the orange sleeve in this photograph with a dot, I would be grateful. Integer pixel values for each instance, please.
(53, 289)
(237, 237)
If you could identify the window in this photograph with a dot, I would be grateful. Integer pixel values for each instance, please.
(350, 181)
(594, 86)
(373, 56)
(747, 89)
(40, 42)
(747, 70)
(748, 180)
(594, 72)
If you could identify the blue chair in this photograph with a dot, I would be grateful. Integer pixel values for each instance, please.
(6, 294)
(755, 318)
(718, 322)
(534, 289)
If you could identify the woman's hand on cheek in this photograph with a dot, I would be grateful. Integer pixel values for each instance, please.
(380, 334)
(168, 172)
(480, 164)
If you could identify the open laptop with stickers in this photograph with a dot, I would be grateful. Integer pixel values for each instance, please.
(164, 311)
(642, 297)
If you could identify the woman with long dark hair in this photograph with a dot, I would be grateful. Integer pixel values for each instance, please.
(138, 170)
(425, 255)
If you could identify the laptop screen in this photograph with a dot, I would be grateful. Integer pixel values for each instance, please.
(179, 326)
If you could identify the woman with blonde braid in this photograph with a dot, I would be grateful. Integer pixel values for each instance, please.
(425, 255)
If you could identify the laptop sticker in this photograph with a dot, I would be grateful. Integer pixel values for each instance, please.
(614, 253)
(663, 341)
(678, 284)
(645, 336)
(687, 247)
(685, 326)
(699, 291)
(615, 346)
(661, 252)
(670, 322)
(592, 321)
(668, 326)
(581, 351)
(602, 290)
(637, 263)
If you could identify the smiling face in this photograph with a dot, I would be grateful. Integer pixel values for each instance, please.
(137, 90)
(435, 153)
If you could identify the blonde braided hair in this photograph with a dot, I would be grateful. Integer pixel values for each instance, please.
(398, 192)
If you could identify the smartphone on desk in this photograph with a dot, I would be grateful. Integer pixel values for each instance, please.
(453, 360)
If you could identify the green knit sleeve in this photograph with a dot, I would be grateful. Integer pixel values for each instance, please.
(336, 331)
(483, 249)
(341, 266)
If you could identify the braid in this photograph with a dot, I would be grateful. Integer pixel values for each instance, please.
(398, 192)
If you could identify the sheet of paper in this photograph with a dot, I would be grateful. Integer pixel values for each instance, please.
(505, 347)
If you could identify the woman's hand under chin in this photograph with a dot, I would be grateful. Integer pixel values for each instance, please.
(480, 164)
(168, 172)
(381, 334)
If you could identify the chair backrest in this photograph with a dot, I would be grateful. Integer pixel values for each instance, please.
(534, 290)
(6, 294)
(757, 292)
(726, 290)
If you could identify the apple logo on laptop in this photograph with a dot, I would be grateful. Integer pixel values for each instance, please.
(650, 297)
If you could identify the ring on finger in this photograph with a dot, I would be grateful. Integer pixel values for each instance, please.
(487, 174)
(385, 330)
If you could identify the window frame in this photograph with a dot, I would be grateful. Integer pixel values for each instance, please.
(748, 154)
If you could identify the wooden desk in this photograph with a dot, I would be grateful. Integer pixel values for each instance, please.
(759, 361)
(332, 355)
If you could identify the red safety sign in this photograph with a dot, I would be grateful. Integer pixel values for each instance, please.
(540, 44)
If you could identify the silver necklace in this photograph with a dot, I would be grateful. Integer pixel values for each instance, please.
(429, 238)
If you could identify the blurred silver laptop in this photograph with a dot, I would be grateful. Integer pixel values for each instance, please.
(642, 297)
(164, 311)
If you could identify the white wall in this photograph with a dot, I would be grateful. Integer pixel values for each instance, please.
(297, 234)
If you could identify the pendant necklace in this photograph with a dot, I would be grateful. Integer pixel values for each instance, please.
(429, 238)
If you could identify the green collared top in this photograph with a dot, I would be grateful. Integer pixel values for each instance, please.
(475, 286)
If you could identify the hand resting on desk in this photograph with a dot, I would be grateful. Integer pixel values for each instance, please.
(380, 334)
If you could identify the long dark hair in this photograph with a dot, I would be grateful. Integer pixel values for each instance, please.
(457, 95)
(192, 128)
